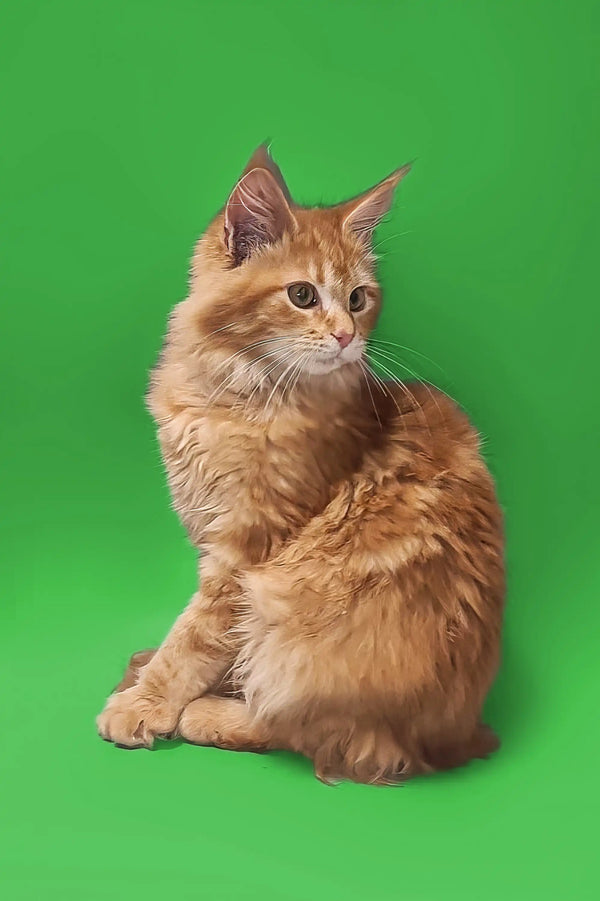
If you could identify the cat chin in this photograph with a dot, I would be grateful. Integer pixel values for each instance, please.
(324, 367)
(326, 364)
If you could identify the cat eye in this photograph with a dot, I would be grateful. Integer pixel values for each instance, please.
(302, 295)
(357, 300)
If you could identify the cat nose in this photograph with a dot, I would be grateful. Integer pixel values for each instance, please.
(343, 338)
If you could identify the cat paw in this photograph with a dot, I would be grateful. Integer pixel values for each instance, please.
(133, 719)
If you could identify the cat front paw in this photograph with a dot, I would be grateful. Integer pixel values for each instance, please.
(133, 719)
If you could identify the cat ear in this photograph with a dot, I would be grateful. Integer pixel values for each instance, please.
(366, 211)
(257, 213)
(262, 159)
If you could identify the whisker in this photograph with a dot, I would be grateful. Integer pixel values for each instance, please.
(223, 328)
(423, 382)
(288, 383)
(387, 393)
(293, 363)
(295, 377)
(230, 377)
(379, 354)
(366, 377)
(250, 347)
(246, 367)
(398, 381)
(265, 374)
(417, 353)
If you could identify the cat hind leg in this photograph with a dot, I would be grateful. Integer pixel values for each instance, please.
(132, 673)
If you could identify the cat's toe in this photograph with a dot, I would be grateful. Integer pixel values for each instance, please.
(131, 720)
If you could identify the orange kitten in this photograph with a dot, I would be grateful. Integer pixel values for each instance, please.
(352, 585)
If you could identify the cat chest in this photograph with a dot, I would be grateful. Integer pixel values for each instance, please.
(225, 477)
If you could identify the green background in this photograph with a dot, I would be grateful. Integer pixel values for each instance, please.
(124, 126)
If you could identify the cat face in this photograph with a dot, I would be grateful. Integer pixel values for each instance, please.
(288, 291)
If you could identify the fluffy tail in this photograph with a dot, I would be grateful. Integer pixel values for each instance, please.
(481, 744)
(375, 754)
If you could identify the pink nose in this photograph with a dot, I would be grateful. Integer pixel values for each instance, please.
(343, 338)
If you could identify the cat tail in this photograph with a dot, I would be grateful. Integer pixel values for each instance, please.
(481, 744)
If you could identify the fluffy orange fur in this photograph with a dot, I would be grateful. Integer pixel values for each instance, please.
(352, 585)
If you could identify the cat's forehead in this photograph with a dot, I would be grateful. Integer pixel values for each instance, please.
(326, 273)
(329, 255)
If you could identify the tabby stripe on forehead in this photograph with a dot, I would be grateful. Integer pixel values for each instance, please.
(320, 271)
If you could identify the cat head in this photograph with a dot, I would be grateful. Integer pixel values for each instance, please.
(285, 291)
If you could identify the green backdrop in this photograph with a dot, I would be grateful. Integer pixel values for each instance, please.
(125, 123)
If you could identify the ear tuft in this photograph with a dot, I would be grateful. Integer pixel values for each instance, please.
(262, 159)
(365, 212)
